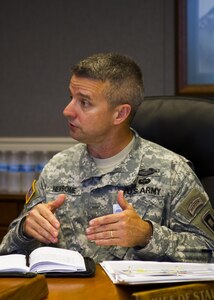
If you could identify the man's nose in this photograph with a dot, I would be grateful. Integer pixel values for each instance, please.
(69, 109)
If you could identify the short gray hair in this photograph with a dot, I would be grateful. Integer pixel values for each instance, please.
(121, 72)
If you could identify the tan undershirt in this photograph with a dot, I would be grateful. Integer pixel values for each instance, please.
(108, 164)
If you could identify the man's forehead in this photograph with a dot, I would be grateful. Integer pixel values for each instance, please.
(83, 84)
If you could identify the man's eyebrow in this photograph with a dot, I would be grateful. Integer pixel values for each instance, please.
(84, 95)
(80, 94)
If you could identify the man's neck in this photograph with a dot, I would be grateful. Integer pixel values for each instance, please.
(111, 146)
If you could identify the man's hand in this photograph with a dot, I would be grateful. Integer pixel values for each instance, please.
(41, 223)
(125, 228)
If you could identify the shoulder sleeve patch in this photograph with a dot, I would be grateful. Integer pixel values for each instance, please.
(192, 204)
(31, 192)
(198, 211)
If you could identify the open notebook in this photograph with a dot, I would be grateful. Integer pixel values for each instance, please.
(49, 261)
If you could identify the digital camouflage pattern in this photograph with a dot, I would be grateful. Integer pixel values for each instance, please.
(158, 183)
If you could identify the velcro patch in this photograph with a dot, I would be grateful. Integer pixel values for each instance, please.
(208, 220)
(192, 204)
(195, 205)
(198, 211)
(31, 192)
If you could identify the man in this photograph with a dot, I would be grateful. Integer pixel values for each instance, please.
(91, 197)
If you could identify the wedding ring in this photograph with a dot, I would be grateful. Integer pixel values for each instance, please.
(111, 234)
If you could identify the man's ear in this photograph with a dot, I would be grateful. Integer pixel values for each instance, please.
(121, 113)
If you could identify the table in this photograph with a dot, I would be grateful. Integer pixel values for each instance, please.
(99, 287)
(23, 288)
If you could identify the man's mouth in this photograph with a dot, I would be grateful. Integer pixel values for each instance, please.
(71, 125)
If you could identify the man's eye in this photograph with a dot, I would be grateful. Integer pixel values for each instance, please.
(84, 103)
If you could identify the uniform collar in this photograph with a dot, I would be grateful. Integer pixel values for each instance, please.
(124, 174)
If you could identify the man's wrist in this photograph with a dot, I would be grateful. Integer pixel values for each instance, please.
(147, 237)
(149, 233)
(22, 232)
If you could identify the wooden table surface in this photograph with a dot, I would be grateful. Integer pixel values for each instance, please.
(99, 287)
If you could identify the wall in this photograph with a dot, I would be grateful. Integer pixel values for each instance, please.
(42, 39)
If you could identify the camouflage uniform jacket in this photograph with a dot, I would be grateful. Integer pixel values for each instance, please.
(158, 183)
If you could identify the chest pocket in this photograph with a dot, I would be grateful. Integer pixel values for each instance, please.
(149, 193)
(72, 198)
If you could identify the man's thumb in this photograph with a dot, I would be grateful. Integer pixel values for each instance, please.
(122, 201)
(53, 205)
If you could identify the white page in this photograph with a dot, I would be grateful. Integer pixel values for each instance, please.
(56, 258)
(136, 272)
(13, 263)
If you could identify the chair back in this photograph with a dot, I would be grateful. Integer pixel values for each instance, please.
(184, 125)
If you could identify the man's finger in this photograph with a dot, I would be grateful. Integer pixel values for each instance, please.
(53, 205)
(122, 201)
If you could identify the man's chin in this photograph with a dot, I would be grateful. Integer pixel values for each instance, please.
(76, 137)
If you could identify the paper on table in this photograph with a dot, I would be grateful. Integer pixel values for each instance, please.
(138, 272)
